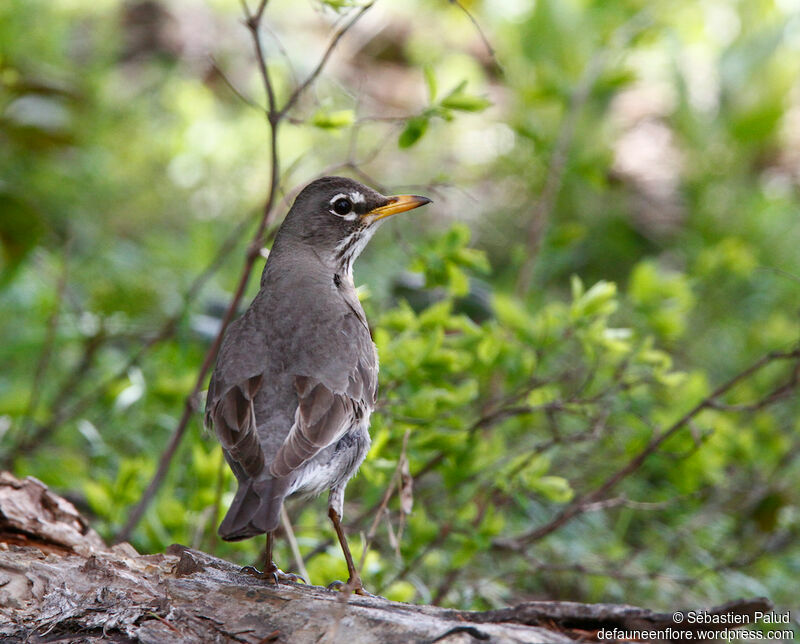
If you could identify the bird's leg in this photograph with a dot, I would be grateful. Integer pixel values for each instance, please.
(354, 582)
(271, 570)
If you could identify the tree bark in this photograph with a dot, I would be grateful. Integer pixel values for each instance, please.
(60, 582)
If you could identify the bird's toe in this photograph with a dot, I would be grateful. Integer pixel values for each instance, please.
(273, 574)
(289, 576)
(352, 586)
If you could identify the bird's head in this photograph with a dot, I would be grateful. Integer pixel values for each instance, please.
(337, 216)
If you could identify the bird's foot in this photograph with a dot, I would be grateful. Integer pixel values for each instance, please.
(352, 586)
(273, 574)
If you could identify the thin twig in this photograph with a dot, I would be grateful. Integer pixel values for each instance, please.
(481, 33)
(579, 505)
(253, 23)
(543, 209)
(324, 60)
(60, 414)
(447, 583)
(384, 502)
(556, 168)
(221, 466)
(190, 404)
(229, 83)
(274, 118)
(46, 354)
(298, 558)
(284, 53)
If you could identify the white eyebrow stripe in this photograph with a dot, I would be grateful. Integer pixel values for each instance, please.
(357, 197)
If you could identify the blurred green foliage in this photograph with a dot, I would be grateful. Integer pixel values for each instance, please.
(667, 261)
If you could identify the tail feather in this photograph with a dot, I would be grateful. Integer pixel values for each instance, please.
(255, 509)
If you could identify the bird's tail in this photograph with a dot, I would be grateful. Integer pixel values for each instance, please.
(256, 508)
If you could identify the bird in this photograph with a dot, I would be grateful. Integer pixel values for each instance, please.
(296, 376)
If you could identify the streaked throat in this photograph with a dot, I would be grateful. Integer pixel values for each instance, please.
(347, 250)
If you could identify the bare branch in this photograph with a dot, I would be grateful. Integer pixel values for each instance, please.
(60, 413)
(298, 558)
(253, 22)
(543, 209)
(233, 88)
(580, 505)
(46, 354)
(274, 118)
(480, 31)
(384, 502)
(268, 214)
(324, 60)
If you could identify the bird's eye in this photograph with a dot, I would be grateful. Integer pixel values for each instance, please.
(342, 206)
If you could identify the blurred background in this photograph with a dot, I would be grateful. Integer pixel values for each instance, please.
(615, 233)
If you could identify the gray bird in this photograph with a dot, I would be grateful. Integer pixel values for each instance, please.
(296, 378)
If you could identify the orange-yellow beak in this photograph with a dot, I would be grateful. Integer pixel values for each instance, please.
(399, 203)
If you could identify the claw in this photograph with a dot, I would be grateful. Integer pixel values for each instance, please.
(290, 576)
(350, 586)
(336, 585)
(274, 574)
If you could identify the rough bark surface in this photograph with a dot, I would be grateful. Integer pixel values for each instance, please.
(60, 582)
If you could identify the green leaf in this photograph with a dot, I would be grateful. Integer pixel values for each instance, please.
(339, 5)
(99, 497)
(413, 132)
(333, 120)
(466, 103)
(554, 488)
(459, 100)
(489, 348)
(430, 82)
(598, 301)
(21, 227)
(458, 282)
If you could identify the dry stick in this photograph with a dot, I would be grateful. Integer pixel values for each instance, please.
(586, 500)
(234, 90)
(45, 356)
(447, 583)
(274, 118)
(27, 443)
(558, 160)
(324, 60)
(431, 464)
(298, 558)
(61, 415)
(543, 208)
(477, 26)
(190, 403)
(384, 502)
(212, 537)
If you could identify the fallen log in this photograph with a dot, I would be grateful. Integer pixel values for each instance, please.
(60, 582)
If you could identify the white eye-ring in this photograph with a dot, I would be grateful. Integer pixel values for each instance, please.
(343, 207)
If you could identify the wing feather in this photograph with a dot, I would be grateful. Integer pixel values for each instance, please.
(234, 420)
(322, 417)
